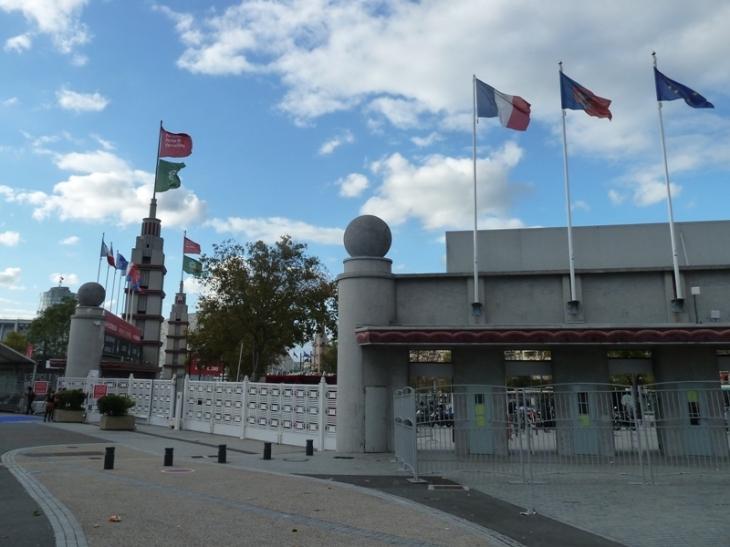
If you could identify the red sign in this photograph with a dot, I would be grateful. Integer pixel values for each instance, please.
(208, 370)
(40, 387)
(120, 328)
(99, 390)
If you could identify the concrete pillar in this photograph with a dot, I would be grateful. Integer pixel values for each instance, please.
(86, 337)
(583, 401)
(690, 405)
(366, 297)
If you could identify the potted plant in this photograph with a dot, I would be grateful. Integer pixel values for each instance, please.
(69, 406)
(114, 410)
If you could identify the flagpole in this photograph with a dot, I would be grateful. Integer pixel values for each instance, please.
(98, 270)
(567, 205)
(106, 282)
(157, 162)
(476, 305)
(678, 287)
(182, 266)
(114, 281)
(119, 292)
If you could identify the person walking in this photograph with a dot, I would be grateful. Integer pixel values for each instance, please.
(50, 406)
(30, 397)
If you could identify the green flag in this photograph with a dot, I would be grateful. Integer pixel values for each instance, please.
(192, 266)
(167, 176)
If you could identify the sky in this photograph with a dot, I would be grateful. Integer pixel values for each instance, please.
(305, 114)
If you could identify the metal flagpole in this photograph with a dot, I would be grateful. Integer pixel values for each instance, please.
(567, 204)
(157, 162)
(119, 291)
(476, 306)
(107, 273)
(182, 267)
(114, 282)
(678, 287)
(98, 270)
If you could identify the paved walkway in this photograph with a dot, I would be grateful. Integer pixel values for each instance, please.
(298, 500)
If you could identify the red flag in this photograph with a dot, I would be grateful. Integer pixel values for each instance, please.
(110, 257)
(175, 145)
(191, 247)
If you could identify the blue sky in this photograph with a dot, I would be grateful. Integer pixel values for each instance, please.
(307, 113)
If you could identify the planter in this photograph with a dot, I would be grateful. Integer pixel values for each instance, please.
(118, 423)
(69, 416)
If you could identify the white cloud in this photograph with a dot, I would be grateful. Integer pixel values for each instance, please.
(9, 278)
(616, 197)
(73, 240)
(11, 239)
(108, 190)
(580, 204)
(422, 142)
(64, 278)
(408, 63)
(330, 146)
(60, 19)
(81, 102)
(271, 229)
(11, 101)
(439, 191)
(18, 43)
(353, 185)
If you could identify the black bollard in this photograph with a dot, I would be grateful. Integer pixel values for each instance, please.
(267, 451)
(168, 457)
(310, 448)
(221, 453)
(109, 458)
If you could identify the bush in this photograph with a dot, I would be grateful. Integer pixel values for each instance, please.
(70, 399)
(115, 405)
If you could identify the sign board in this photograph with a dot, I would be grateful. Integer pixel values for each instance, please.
(99, 391)
(29, 351)
(196, 369)
(40, 387)
(121, 339)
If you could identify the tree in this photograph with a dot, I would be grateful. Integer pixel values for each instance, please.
(16, 341)
(264, 298)
(49, 331)
(329, 358)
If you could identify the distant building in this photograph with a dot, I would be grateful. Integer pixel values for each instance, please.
(12, 325)
(53, 297)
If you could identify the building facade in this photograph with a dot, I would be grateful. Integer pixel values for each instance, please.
(625, 293)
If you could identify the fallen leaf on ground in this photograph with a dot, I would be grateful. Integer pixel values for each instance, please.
(115, 518)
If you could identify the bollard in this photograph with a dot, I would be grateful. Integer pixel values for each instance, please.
(267, 451)
(168, 457)
(310, 448)
(221, 453)
(109, 458)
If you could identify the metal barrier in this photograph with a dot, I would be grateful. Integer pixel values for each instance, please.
(563, 433)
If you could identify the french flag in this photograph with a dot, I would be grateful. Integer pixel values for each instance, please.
(513, 111)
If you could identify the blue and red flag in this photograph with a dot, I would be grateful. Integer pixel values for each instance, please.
(576, 97)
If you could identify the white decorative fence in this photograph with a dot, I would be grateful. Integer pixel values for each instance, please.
(280, 413)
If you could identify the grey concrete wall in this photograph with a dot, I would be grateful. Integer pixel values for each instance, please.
(442, 300)
(626, 298)
(386, 367)
(524, 300)
(594, 247)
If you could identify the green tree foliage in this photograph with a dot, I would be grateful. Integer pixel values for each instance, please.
(267, 298)
(16, 341)
(49, 331)
(329, 358)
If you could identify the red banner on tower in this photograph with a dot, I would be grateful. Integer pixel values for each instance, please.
(175, 145)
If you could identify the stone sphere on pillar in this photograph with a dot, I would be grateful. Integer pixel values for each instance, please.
(368, 235)
(91, 294)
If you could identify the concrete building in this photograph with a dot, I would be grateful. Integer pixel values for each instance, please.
(625, 292)
(13, 325)
(175, 337)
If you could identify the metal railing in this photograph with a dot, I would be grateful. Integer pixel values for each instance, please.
(559, 433)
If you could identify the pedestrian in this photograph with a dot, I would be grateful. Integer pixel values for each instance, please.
(30, 398)
(50, 406)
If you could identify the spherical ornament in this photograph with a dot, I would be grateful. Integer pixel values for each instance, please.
(91, 294)
(368, 235)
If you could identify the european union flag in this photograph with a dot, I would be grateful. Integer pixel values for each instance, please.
(669, 90)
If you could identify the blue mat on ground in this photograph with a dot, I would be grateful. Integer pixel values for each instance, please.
(20, 418)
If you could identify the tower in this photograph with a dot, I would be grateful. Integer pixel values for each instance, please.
(176, 350)
(146, 305)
